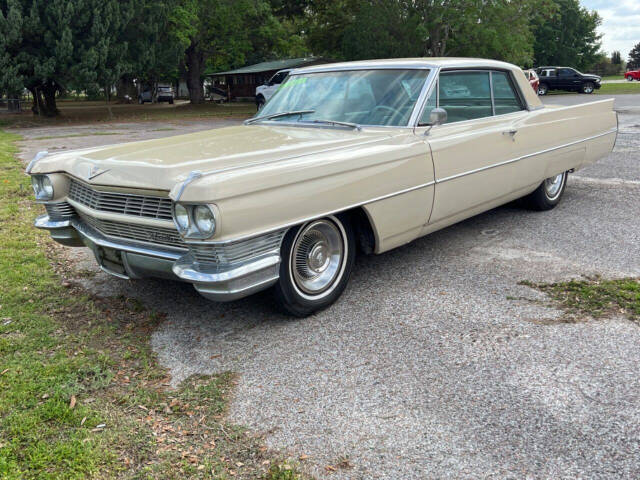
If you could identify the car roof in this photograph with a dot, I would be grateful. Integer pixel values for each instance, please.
(426, 62)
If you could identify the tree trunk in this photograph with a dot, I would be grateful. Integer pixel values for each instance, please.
(194, 63)
(44, 99)
(126, 90)
(49, 108)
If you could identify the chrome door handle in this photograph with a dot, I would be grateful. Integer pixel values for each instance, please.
(511, 132)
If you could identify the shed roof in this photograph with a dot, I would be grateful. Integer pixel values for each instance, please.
(272, 65)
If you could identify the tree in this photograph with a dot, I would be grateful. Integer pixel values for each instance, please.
(568, 36)
(616, 58)
(634, 57)
(353, 29)
(53, 46)
(220, 34)
(153, 53)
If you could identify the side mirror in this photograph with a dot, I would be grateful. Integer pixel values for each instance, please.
(438, 116)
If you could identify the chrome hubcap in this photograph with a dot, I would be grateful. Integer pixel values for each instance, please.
(553, 185)
(317, 257)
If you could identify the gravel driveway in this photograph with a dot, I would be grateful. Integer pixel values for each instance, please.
(435, 363)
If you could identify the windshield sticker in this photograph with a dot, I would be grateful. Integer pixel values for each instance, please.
(293, 82)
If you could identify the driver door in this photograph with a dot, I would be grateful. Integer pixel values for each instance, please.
(472, 150)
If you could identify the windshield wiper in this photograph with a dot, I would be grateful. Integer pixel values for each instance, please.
(276, 115)
(336, 122)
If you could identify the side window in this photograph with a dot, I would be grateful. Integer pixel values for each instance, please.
(504, 95)
(565, 72)
(430, 105)
(465, 95)
(278, 78)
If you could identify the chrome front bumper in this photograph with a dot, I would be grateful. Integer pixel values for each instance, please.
(131, 260)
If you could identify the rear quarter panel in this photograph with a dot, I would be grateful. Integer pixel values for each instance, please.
(553, 139)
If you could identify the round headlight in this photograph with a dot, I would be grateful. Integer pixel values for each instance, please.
(47, 187)
(42, 187)
(204, 220)
(37, 186)
(181, 217)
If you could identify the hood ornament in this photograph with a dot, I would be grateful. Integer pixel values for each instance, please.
(94, 171)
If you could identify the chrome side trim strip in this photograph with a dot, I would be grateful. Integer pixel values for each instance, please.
(410, 189)
(324, 214)
(529, 155)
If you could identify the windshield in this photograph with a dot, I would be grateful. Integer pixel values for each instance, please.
(365, 97)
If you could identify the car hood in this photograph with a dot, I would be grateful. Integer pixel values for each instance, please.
(590, 77)
(162, 163)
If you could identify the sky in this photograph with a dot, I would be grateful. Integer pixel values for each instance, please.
(620, 23)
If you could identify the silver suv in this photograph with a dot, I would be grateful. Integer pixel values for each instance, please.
(165, 94)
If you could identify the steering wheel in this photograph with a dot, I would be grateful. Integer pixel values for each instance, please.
(393, 111)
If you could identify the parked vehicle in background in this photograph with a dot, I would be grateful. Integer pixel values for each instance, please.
(165, 94)
(566, 78)
(533, 78)
(345, 158)
(632, 75)
(266, 91)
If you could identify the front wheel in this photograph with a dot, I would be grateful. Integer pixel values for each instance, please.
(542, 89)
(317, 260)
(587, 88)
(548, 194)
(629, 78)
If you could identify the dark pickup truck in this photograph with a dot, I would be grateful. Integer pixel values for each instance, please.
(566, 78)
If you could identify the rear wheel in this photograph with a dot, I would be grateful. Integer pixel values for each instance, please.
(587, 88)
(317, 260)
(542, 89)
(548, 194)
(260, 101)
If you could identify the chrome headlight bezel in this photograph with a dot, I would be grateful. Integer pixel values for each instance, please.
(192, 226)
(42, 188)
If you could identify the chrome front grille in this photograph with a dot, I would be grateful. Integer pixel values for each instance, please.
(123, 203)
(209, 256)
(167, 237)
(59, 210)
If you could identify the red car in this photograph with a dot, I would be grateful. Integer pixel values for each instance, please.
(533, 78)
(632, 75)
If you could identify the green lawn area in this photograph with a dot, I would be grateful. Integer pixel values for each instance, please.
(618, 88)
(81, 393)
(613, 77)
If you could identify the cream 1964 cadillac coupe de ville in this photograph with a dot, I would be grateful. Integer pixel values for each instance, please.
(348, 157)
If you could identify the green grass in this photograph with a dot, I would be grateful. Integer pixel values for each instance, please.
(613, 77)
(596, 297)
(81, 393)
(618, 88)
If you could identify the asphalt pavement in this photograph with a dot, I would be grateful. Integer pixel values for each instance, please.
(436, 363)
